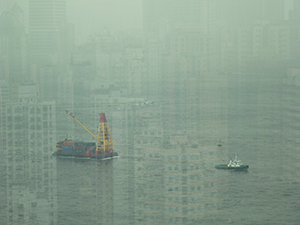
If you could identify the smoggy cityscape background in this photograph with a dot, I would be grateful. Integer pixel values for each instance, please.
(174, 78)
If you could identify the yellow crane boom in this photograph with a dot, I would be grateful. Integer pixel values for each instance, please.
(81, 124)
(104, 139)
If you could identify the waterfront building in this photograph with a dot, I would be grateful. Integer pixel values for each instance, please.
(30, 136)
(13, 49)
(174, 178)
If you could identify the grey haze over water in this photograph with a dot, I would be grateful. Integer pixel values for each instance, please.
(174, 78)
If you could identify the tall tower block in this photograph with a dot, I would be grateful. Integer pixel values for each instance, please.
(45, 19)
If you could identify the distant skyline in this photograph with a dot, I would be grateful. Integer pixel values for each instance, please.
(91, 16)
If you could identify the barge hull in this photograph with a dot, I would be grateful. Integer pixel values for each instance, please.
(83, 156)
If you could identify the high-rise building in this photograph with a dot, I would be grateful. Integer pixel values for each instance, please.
(29, 141)
(173, 182)
(135, 58)
(243, 12)
(257, 47)
(13, 53)
(189, 57)
(160, 17)
(152, 80)
(23, 4)
(4, 99)
(45, 17)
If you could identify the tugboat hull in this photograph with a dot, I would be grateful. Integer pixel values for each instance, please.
(223, 167)
(226, 167)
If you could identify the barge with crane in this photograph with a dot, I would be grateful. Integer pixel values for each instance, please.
(101, 149)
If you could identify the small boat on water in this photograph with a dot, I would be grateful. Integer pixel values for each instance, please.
(235, 164)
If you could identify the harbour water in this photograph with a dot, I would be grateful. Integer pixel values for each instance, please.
(168, 177)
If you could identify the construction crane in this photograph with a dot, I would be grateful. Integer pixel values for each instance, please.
(104, 139)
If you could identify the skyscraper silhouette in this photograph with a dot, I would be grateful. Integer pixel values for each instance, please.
(45, 17)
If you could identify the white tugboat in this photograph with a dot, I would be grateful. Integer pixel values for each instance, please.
(235, 164)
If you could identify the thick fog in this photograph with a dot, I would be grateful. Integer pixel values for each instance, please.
(91, 16)
(149, 112)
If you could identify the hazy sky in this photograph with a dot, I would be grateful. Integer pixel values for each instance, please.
(91, 15)
(288, 7)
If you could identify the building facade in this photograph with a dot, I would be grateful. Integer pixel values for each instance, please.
(30, 137)
(44, 20)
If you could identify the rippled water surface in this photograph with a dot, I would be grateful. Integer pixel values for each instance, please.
(173, 181)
